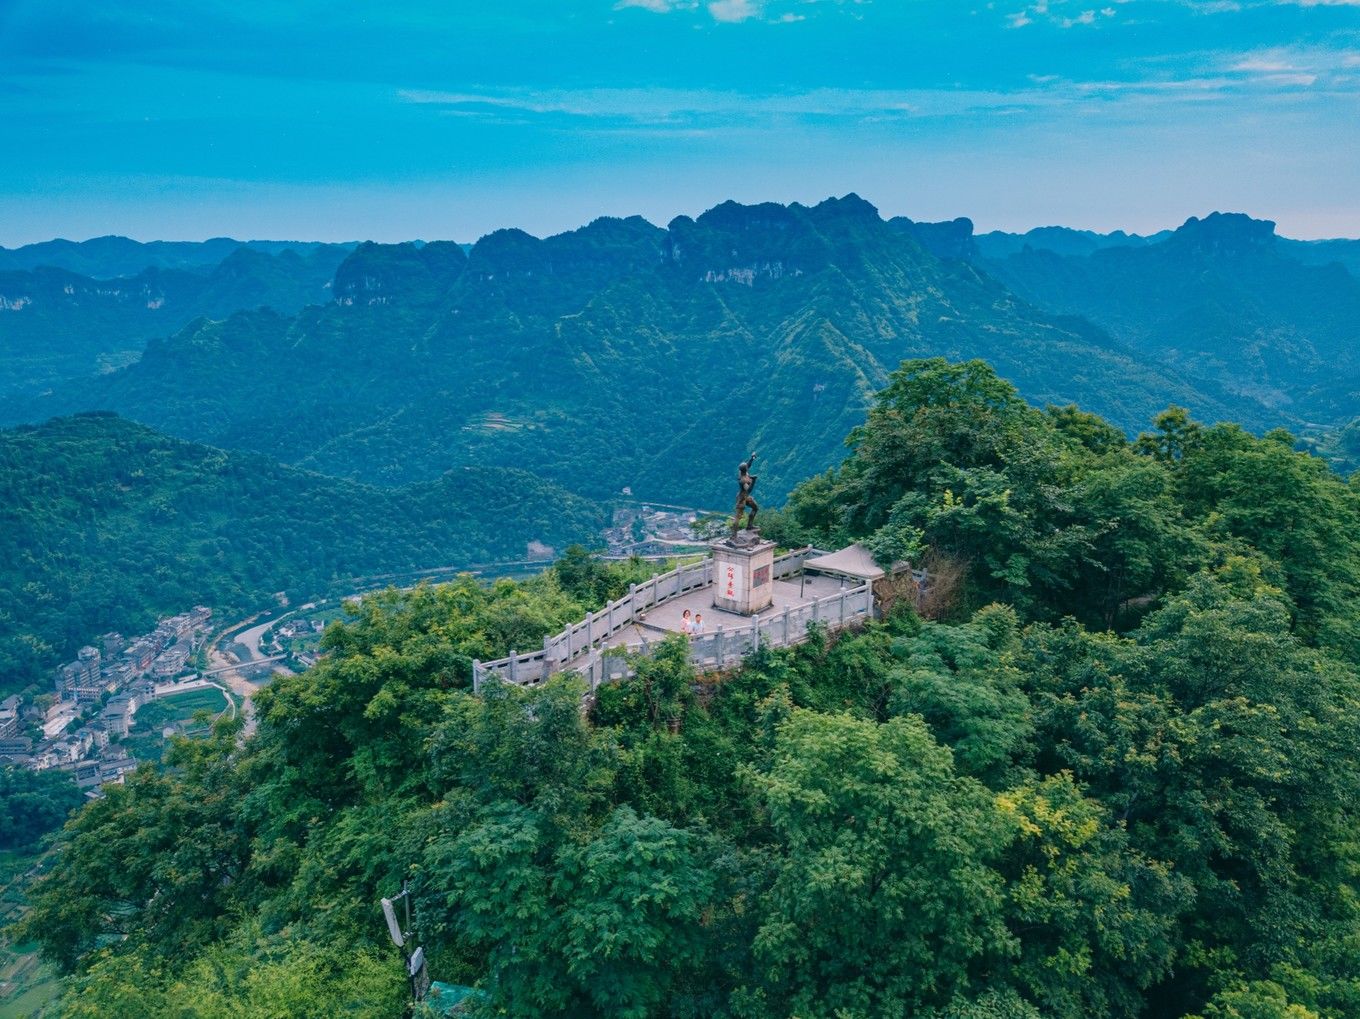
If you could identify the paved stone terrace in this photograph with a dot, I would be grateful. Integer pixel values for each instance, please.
(662, 620)
(788, 594)
(636, 621)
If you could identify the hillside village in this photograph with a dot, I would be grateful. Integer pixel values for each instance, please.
(96, 699)
(654, 529)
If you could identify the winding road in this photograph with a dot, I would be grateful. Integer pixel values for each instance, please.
(232, 671)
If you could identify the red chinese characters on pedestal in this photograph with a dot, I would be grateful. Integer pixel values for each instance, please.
(731, 580)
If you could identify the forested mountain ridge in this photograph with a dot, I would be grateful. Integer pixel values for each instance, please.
(105, 524)
(620, 354)
(1062, 240)
(1114, 779)
(57, 325)
(1223, 298)
(112, 256)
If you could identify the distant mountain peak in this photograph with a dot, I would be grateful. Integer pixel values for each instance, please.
(1225, 232)
(735, 217)
(949, 239)
(375, 273)
(850, 206)
(744, 243)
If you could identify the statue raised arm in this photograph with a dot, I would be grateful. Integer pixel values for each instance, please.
(746, 481)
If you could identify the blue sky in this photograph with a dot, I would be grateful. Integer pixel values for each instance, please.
(409, 119)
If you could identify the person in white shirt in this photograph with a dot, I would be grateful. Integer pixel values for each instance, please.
(698, 626)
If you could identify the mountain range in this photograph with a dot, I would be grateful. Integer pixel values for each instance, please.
(623, 354)
(111, 257)
(58, 325)
(1062, 240)
(1221, 298)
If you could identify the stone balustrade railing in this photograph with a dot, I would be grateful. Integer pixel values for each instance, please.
(560, 650)
(727, 646)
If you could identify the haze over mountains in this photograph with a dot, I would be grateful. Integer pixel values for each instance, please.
(624, 354)
(74, 310)
(1219, 298)
(107, 257)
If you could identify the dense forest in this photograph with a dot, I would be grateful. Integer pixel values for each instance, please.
(32, 804)
(105, 524)
(1115, 776)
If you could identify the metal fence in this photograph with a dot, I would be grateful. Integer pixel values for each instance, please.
(570, 649)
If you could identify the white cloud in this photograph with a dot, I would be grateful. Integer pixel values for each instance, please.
(1183, 88)
(655, 6)
(1050, 11)
(1216, 78)
(1324, 3)
(669, 109)
(1261, 65)
(1298, 66)
(681, 109)
(734, 10)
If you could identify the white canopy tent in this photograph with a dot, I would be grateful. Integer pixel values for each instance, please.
(854, 562)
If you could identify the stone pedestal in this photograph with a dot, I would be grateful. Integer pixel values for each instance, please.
(743, 575)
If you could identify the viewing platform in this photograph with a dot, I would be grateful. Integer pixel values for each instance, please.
(809, 586)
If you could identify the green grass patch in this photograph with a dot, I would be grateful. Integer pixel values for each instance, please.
(30, 995)
(183, 706)
(27, 984)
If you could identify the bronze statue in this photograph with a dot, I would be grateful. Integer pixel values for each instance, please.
(745, 482)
